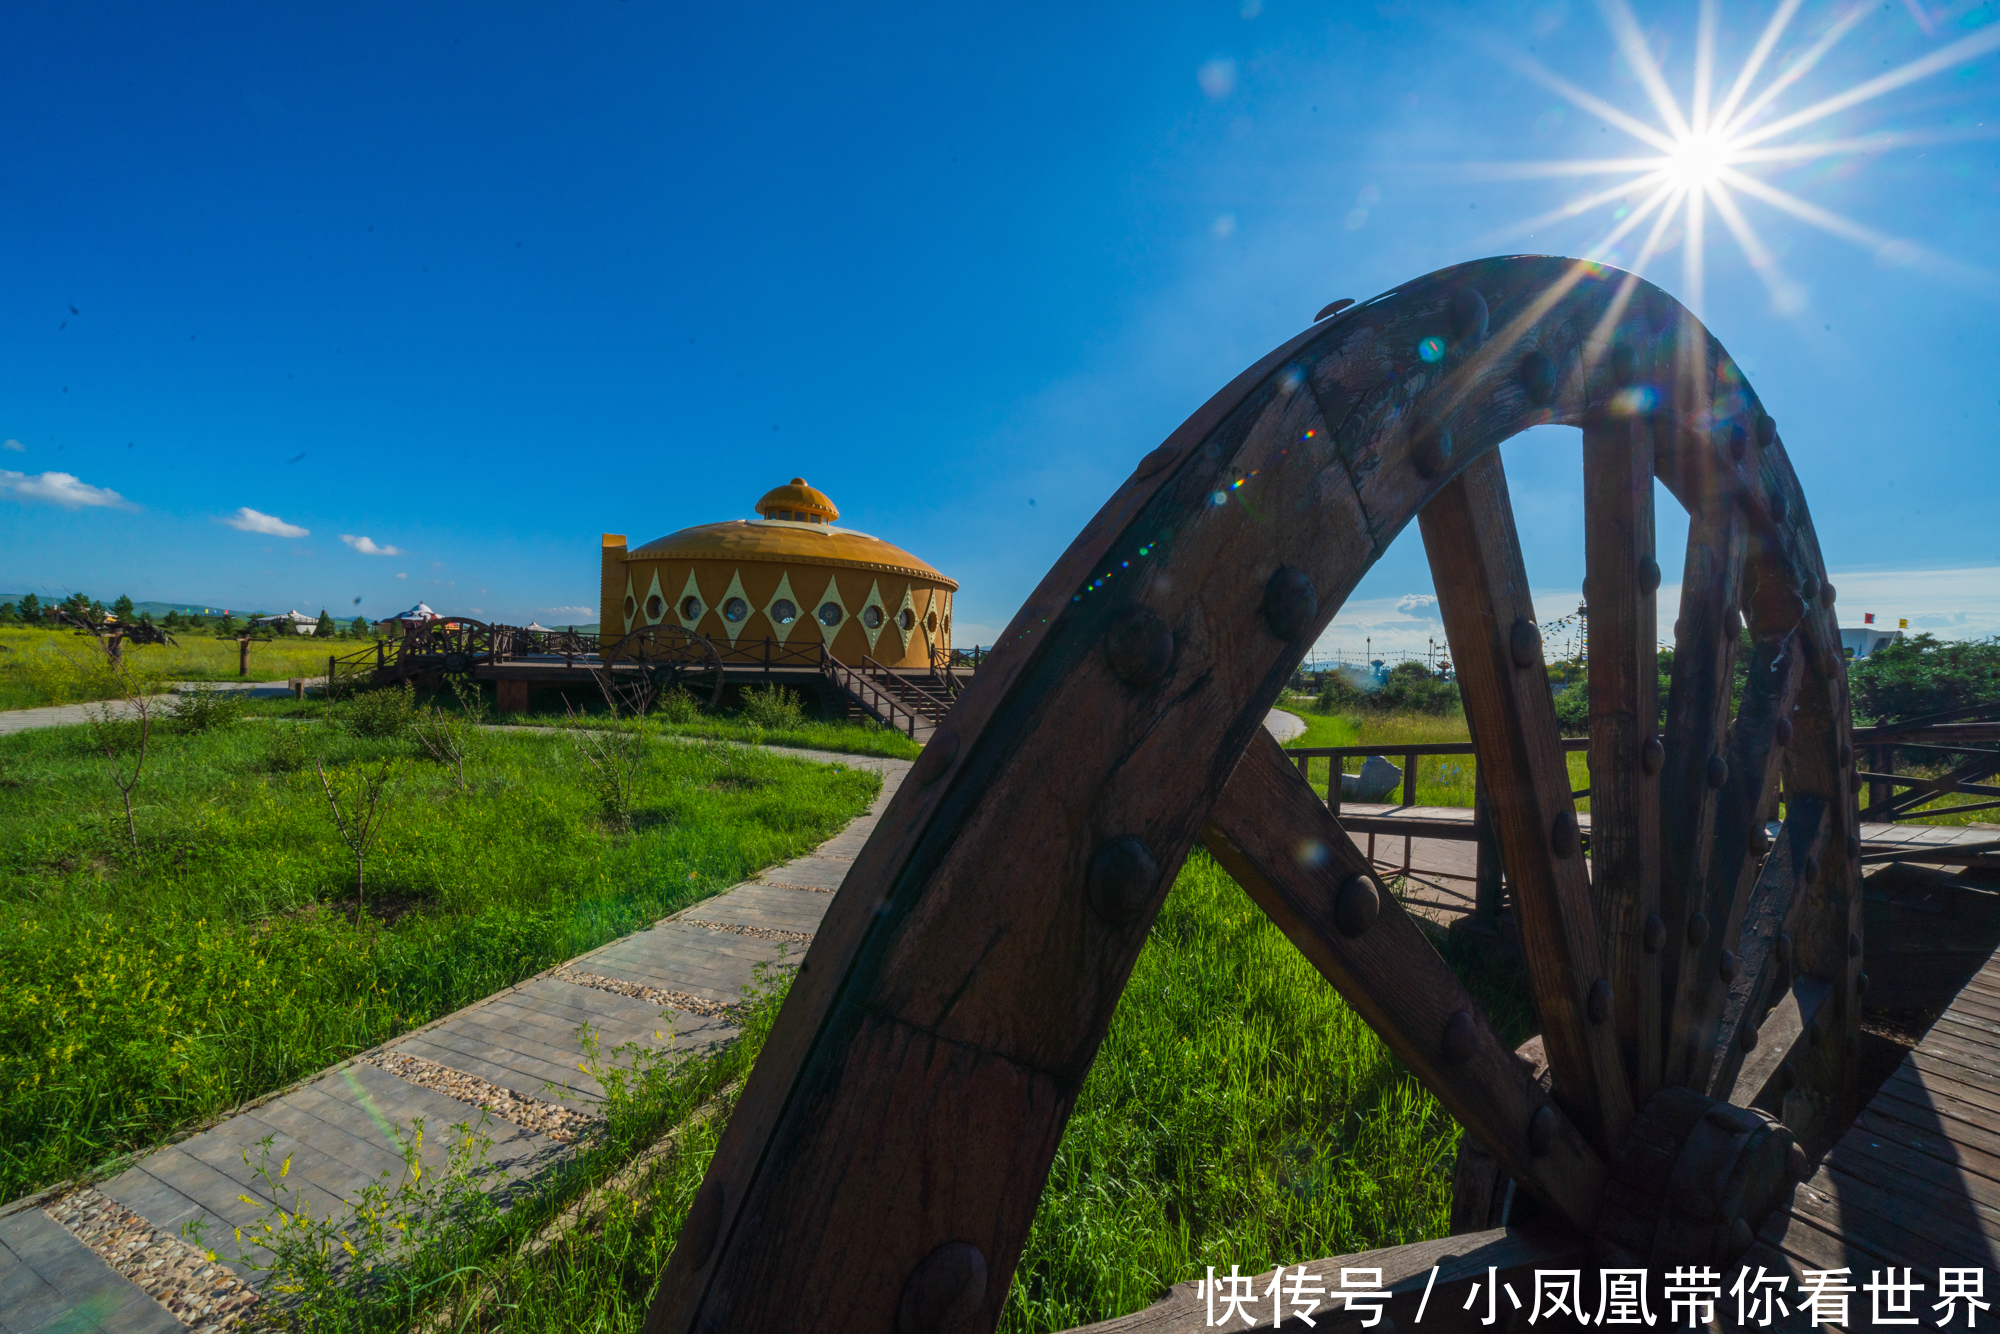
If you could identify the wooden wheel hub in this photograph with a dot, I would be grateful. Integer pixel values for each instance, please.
(913, 1092)
(1695, 1180)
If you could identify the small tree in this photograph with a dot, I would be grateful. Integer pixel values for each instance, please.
(227, 628)
(326, 629)
(357, 814)
(9, 613)
(173, 620)
(120, 730)
(31, 609)
(122, 608)
(360, 627)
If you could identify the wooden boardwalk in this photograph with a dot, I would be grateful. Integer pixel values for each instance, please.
(109, 1257)
(1915, 1183)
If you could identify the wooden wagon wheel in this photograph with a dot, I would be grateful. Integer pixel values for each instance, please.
(884, 1164)
(672, 650)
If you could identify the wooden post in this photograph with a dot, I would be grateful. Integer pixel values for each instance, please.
(1482, 586)
(1410, 778)
(1882, 759)
(510, 696)
(243, 655)
(1486, 858)
(1626, 752)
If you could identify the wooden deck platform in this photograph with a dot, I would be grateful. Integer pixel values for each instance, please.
(1916, 1181)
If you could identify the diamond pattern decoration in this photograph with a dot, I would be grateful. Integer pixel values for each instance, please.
(782, 630)
(906, 619)
(881, 616)
(654, 609)
(692, 590)
(734, 594)
(832, 595)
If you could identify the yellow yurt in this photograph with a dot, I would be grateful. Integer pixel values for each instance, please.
(786, 580)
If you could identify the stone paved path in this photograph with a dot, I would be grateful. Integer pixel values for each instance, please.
(62, 715)
(502, 1053)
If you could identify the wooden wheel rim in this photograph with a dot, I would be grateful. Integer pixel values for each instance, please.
(907, 1105)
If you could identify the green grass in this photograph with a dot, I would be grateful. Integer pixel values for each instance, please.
(42, 667)
(144, 991)
(1442, 780)
(843, 738)
(1237, 1113)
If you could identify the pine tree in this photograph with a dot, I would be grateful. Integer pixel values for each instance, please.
(360, 627)
(122, 608)
(326, 628)
(31, 608)
(173, 621)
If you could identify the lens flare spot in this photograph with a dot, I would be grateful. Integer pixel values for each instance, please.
(1310, 853)
(1431, 349)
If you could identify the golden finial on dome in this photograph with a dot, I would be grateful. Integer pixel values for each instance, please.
(798, 503)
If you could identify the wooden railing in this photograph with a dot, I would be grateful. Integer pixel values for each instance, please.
(1972, 734)
(878, 701)
(1489, 893)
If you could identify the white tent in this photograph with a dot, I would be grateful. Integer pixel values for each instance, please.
(293, 619)
(420, 612)
(532, 626)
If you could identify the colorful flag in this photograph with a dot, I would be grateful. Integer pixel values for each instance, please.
(1868, 618)
(1903, 624)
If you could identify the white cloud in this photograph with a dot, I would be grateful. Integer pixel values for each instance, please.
(1415, 602)
(569, 611)
(404, 575)
(366, 546)
(16, 446)
(61, 488)
(247, 520)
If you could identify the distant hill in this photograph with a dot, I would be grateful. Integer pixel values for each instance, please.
(159, 609)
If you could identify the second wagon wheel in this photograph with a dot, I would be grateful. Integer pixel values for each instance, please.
(883, 1167)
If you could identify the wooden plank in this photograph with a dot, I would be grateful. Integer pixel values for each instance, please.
(1729, 873)
(1882, 1225)
(1787, 1032)
(1390, 973)
(1483, 595)
(1775, 907)
(1705, 641)
(1969, 1144)
(1624, 712)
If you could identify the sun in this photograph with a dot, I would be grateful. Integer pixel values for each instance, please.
(1698, 161)
(1706, 154)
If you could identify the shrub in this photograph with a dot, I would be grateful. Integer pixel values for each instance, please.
(380, 713)
(773, 707)
(678, 706)
(200, 707)
(1408, 687)
(287, 752)
(1922, 674)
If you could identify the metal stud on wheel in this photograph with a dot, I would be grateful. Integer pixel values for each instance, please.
(911, 1097)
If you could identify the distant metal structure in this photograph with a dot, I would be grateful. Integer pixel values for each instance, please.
(885, 1161)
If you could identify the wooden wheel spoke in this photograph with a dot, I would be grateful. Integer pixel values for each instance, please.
(1695, 769)
(1482, 587)
(1272, 832)
(1625, 747)
(1752, 1046)
(1729, 871)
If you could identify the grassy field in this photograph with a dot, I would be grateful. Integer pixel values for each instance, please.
(734, 722)
(1442, 780)
(1446, 780)
(1237, 1113)
(142, 990)
(40, 667)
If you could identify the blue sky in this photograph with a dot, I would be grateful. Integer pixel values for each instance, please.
(424, 299)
